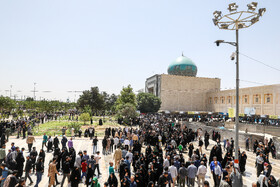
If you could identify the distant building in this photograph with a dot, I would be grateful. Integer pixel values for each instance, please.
(181, 90)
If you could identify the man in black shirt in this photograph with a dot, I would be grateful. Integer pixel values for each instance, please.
(66, 170)
(94, 143)
(39, 170)
(28, 167)
(33, 156)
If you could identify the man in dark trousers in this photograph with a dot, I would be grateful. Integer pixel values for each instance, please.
(55, 142)
(33, 156)
(28, 167)
(19, 162)
(66, 170)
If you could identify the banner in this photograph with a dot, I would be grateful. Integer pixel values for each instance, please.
(231, 112)
(250, 110)
(273, 116)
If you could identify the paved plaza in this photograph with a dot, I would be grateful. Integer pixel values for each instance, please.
(81, 144)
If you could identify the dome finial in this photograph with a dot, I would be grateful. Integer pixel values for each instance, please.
(182, 53)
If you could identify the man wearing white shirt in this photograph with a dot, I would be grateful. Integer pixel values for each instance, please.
(201, 172)
(174, 173)
(116, 142)
(97, 157)
(126, 143)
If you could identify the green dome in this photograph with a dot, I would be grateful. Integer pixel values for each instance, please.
(182, 66)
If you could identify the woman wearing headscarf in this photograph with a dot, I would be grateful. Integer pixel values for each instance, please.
(272, 181)
(50, 143)
(242, 162)
(75, 177)
(94, 182)
(112, 180)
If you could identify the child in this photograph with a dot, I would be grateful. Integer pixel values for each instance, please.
(84, 169)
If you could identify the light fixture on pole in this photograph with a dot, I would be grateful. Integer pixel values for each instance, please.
(236, 20)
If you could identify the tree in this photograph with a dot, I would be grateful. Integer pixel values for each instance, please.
(126, 104)
(85, 117)
(6, 104)
(91, 98)
(109, 102)
(147, 102)
(127, 96)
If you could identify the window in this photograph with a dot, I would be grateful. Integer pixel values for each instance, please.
(257, 99)
(222, 100)
(216, 100)
(210, 100)
(245, 99)
(268, 98)
(229, 99)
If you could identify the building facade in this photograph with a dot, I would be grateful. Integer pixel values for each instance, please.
(181, 90)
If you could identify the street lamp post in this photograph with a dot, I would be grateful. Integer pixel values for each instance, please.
(236, 20)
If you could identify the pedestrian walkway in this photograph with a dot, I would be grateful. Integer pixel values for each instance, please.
(80, 144)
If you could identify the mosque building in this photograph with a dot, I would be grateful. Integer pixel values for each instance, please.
(181, 91)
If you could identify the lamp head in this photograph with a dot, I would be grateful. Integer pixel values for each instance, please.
(252, 6)
(224, 26)
(262, 11)
(218, 42)
(255, 19)
(232, 7)
(217, 14)
(215, 21)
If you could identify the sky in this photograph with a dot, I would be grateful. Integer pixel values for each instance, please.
(69, 45)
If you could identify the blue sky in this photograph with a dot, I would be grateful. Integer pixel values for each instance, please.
(67, 45)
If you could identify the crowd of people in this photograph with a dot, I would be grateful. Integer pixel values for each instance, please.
(161, 151)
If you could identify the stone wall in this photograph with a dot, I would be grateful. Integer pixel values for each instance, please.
(182, 93)
(261, 129)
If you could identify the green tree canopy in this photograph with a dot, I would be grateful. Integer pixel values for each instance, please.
(147, 102)
(6, 104)
(127, 96)
(85, 117)
(93, 99)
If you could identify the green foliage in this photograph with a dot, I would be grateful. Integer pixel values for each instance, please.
(126, 104)
(127, 111)
(147, 102)
(127, 96)
(6, 104)
(85, 117)
(91, 98)
(52, 128)
(76, 127)
(109, 103)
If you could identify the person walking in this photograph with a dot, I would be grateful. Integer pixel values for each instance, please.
(97, 157)
(174, 173)
(217, 174)
(192, 170)
(28, 167)
(39, 170)
(51, 172)
(117, 157)
(182, 175)
(201, 172)
(66, 170)
(94, 143)
(30, 139)
(75, 177)
(45, 139)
